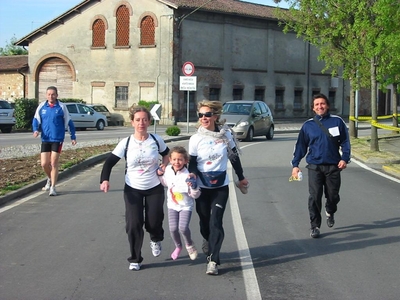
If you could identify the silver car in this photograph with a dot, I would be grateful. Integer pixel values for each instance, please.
(84, 116)
(7, 116)
(249, 118)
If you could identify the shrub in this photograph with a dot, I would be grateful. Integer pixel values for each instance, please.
(173, 131)
(24, 112)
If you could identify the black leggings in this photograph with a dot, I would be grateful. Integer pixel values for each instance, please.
(153, 206)
(210, 207)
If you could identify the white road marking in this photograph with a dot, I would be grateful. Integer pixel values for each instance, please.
(246, 261)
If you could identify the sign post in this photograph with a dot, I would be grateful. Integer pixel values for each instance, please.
(187, 83)
(156, 113)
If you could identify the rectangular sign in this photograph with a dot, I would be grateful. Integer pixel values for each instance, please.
(187, 83)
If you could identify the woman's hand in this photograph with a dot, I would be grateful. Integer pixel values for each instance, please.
(105, 186)
(161, 170)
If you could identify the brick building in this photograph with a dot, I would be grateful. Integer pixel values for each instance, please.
(119, 52)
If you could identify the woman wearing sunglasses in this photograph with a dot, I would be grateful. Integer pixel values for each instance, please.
(210, 148)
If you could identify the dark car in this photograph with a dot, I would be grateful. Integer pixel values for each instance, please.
(103, 110)
(249, 118)
(7, 116)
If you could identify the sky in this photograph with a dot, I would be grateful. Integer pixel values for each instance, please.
(20, 17)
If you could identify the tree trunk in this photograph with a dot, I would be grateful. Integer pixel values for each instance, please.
(394, 108)
(374, 130)
(352, 124)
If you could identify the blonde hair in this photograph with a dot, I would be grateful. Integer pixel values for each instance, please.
(216, 108)
(135, 108)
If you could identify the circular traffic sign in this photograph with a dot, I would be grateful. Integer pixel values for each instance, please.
(188, 68)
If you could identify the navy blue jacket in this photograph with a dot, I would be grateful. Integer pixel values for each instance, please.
(320, 149)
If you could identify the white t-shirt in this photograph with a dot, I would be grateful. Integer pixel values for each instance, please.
(142, 161)
(211, 152)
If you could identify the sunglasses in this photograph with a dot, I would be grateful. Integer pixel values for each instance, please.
(207, 114)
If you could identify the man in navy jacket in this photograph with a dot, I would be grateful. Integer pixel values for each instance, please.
(324, 161)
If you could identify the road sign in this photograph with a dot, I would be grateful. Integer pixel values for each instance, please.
(156, 112)
(187, 83)
(188, 68)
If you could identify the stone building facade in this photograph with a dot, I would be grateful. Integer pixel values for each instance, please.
(117, 52)
(13, 79)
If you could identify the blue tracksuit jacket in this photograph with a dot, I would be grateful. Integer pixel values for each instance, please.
(53, 122)
(318, 146)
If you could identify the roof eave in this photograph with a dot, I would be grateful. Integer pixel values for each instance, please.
(26, 40)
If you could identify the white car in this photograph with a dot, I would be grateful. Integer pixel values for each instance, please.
(84, 116)
(7, 116)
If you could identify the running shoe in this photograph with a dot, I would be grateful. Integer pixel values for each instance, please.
(53, 191)
(47, 186)
(192, 251)
(315, 232)
(330, 220)
(134, 266)
(155, 248)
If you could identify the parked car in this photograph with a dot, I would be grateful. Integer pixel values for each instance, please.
(249, 118)
(103, 110)
(84, 117)
(7, 116)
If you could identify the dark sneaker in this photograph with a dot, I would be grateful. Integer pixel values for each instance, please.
(330, 220)
(315, 232)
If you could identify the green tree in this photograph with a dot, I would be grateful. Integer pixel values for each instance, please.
(356, 37)
(11, 49)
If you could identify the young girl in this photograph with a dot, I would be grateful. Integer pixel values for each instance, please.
(182, 190)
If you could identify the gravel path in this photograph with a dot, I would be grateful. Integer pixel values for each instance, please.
(33, 149)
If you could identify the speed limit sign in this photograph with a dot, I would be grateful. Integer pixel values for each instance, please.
(188, 68)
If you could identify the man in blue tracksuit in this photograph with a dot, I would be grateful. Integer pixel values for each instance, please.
(324, 161)
(52, 118)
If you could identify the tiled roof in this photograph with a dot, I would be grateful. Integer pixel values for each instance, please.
(227, 6)
(232, 7)
(13, 62)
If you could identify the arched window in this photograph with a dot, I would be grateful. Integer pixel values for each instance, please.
(98, 33)
(147, 31)
(122, 32)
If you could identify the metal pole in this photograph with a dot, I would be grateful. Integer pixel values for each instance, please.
(187, 113)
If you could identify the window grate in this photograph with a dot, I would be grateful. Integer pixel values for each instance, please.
(122, 32)
(298, 99)
(98, 33)
(279, 99)
(121, 96)
(147, 31)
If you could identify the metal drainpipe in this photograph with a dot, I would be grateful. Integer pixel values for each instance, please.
(24, 77)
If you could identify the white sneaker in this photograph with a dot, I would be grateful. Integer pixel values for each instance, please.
(155, 248)
(47, 186)
(134, 266)
(192, 251)
(212, 268)
(52, 191)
